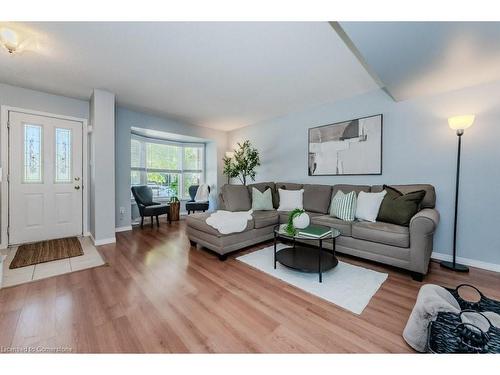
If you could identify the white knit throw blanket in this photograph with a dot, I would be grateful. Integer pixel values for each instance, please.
(227, 222)
(431, 300)
(202, 193)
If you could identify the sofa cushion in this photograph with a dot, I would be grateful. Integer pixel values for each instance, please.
(265, 218)
(389, 234)
(197, 221)
(317, 198)
(343, 226)
(236, 198)
(263, 186)
(288, 186)
(429, 200)
(348, 188)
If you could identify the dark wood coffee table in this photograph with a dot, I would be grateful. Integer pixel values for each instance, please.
(305, 258)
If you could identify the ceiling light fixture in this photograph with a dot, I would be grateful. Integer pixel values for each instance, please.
(12, 40)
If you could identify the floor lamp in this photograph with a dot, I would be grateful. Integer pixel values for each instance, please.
(458, 123)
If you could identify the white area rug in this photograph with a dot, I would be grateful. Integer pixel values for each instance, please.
(347, 286)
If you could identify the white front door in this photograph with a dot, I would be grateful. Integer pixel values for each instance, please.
(45, 178)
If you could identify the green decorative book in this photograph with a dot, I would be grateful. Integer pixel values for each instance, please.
(315, 231)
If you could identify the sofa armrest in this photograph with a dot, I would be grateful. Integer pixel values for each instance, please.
(422, 227)
(424, 222)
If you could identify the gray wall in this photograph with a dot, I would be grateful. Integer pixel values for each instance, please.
(418, 147)
(102, 166)
(41, 101)
(126, 119)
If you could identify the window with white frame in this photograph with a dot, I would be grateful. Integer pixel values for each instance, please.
(168, 167)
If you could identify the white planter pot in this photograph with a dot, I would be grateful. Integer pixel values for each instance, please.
(302, 221)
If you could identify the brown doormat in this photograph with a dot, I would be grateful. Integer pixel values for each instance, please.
(46, 251)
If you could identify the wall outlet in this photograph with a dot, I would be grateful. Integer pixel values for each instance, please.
(122, 211)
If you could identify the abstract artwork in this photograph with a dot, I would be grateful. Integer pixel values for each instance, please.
(346, 148)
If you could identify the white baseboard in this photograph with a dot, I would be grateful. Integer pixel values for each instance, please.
(123, 229)
(103, 241)
(468, 262)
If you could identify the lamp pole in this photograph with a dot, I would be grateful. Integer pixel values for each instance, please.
(454, 265)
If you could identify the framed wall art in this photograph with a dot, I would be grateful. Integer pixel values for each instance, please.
(345, 148)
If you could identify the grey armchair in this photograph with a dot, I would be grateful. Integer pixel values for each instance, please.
(143, 195)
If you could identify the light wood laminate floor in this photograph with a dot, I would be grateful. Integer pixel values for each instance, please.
(159, 295)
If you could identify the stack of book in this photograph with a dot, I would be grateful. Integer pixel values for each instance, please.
(314, 231)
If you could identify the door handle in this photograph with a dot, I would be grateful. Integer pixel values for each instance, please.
(77, 187)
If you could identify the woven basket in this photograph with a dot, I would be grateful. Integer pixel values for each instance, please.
(447, 334)
(484, 304)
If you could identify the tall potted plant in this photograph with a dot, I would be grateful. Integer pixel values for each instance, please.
(243, 163)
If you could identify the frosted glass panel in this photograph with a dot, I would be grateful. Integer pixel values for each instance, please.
(63, 155)
(32, 154)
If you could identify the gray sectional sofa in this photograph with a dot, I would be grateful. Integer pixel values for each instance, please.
(409, 248)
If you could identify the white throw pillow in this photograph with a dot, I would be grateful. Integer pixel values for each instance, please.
(291, 199)
(368, 205)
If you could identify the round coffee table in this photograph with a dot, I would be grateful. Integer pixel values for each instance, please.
(306, 258)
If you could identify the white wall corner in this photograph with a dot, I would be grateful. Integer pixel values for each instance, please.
(103, 241)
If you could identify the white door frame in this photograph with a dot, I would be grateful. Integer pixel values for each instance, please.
(4, 165)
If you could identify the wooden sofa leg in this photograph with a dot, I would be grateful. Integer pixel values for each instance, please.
(417, 276)
(157, 221)
(222, 257)
(142, 222)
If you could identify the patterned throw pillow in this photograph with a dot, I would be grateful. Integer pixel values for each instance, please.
(262, 201)
(343, 206)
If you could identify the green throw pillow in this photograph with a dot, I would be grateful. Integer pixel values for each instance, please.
(262, 201)
(343, 206)
(398, 208)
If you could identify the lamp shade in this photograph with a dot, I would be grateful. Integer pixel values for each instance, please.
(461, 122)
(9, 39)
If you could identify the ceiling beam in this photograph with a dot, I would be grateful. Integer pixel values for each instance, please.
(352, 47)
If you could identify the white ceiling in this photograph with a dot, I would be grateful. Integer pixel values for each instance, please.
(415, 59)
(218, 75)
